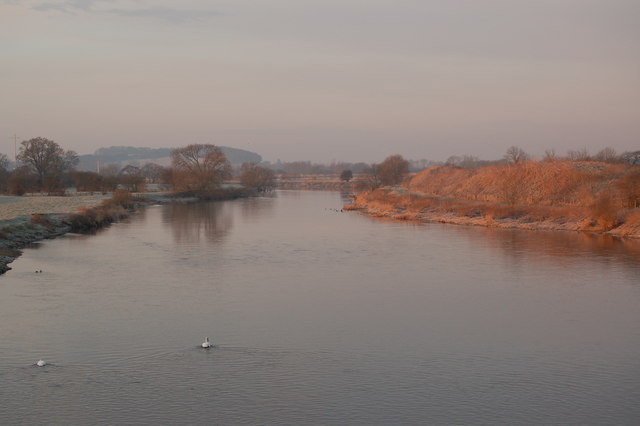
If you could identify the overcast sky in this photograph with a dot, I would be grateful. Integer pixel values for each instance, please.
(323, 80)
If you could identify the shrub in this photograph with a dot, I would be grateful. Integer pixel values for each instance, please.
(122, 197)
(42, 220)
(629, 187)
(605, 211)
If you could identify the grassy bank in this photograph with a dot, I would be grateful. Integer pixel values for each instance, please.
(589, 196)
(19, 232)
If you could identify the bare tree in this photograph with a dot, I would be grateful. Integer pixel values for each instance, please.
(608, 155)
(4, 162)
(373, 176)
(88, 181)
(153, 172)
(256, 177)
(346, 175)
(199, 167)
(453, 160)
(516, 155)
(131, 178)
(4, 173)
(47, 160)
(393, 170)
(550, 155)
(579, 155)
(109, 173)
(22, 180)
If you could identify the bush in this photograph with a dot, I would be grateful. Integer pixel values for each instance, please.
(256, 177)
(88, 219)
(605, 211)
(122, 197)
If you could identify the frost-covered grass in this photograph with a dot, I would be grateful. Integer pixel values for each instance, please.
(13, 207)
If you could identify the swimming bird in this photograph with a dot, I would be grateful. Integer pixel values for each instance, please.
(41, 363)
(206, 344)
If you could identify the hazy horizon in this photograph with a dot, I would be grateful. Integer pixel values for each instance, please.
(321, 81)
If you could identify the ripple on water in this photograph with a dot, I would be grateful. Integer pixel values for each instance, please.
(320, 319)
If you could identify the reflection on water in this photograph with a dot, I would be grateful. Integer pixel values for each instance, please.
(193, 223)
(319, 317)
(552, 247)
(557, 247)
(257, 208)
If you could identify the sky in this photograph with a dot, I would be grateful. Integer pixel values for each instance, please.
(323, 80)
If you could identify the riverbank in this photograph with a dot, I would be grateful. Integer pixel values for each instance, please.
(29, 219)
(547, 195)
(399, 204)
(19, 232)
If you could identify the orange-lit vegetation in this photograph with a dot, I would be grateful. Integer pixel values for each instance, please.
(199, 167)
(256, 178)
(88, 218)
(43, 220)
(594, 196)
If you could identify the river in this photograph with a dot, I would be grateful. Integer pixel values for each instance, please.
(319, 317)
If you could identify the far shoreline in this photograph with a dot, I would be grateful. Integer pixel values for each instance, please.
(392, 206)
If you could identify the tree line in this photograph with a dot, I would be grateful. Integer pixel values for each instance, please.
(42, 165)
(335, 168)
(516, 155)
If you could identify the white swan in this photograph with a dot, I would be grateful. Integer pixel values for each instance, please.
(206, 344)
(41, 363)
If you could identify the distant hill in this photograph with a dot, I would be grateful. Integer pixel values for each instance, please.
(138, 156)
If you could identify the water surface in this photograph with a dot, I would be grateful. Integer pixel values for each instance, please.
(319, 317)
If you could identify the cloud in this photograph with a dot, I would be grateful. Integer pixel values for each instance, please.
(70, 6)
(124, 9)
(165, 14)
(45, 7)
